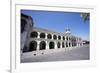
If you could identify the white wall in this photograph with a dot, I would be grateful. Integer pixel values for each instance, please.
(5, 36)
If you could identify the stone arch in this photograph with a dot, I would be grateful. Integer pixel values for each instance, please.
(32, 46)
(69, 44)
(54, 37)
(67, 38)
(42, 45)
(63, 45)
(66, 44)
(63, 38)
(34, 34)
(59, 37)
(58, 44)
(51, 45)
(49, 36)
(42, 35)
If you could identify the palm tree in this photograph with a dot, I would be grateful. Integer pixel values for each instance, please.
(85, 16)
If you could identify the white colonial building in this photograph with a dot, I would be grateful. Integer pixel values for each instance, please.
(42, 41)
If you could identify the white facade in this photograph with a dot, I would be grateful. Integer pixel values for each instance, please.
(42, 41)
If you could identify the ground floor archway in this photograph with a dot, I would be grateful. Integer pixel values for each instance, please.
(33, 46)
(42, 45)
(58, 44)
(51, 45)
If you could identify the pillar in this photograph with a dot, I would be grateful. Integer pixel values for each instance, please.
(38, 47)
(46, 36)
(47, 45)
(60, 44)
(52, 36)
(38, 35)
(55, 44)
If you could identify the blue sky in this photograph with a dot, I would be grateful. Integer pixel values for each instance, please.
(59, 21)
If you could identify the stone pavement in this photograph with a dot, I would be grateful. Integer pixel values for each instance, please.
(80, 53)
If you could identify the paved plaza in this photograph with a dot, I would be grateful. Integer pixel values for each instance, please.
(78, 53)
